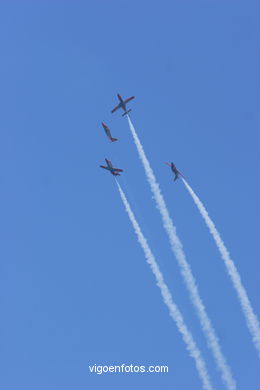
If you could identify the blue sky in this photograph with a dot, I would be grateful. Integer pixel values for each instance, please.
(75, 287)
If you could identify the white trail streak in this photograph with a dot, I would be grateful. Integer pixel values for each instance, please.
(186, 272)
(167, 298)
(251, 318)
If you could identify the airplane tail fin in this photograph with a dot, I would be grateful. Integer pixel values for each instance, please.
(125, 113)
(114, 139)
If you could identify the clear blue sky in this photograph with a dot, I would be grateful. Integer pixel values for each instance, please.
(75, 289)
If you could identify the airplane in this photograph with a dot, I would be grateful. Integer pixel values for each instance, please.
(176, 172)
(122, 104)
(109, 167)
(108, 133)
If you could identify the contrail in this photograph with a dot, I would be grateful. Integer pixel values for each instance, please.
(186, 272)
(251, 318)
(167, 298)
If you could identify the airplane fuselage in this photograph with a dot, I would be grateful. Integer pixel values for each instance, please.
(175, 171)
(122, 104)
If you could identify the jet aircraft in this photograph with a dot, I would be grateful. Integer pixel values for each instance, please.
(122, 104)
(111, 169)
(108, 133)
(176, 172)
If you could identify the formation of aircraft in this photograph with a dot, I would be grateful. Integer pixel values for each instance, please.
(122, 104)
(174, 169)
(114, 171)
(108, 133)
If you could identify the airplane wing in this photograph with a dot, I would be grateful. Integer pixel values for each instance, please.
(128, 99)
(102, 166)
(116, 108)
(110, 167)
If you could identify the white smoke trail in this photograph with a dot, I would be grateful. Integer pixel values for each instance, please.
(251, 318)
(173, 308)
(186, 272)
